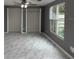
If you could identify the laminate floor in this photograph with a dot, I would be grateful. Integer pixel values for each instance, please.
(30, 46)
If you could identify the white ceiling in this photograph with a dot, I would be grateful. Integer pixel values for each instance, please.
(41, 3)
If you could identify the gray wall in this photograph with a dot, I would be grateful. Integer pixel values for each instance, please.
(69, 25)
(42, 18)
(24, 20)
(5, 19)
(69, 28)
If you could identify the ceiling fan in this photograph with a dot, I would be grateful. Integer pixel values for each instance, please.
(26, 3)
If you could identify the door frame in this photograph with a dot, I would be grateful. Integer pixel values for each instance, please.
(7, 20)
(21, 20)
(40, 21)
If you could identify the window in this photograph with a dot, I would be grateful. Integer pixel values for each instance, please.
(57, 16)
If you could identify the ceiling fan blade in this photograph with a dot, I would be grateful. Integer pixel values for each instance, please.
(24, 1)
(33, 4)
(39, 0)
(16, 6)
(16, 3)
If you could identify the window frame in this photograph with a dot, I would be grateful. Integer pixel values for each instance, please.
(58, 36)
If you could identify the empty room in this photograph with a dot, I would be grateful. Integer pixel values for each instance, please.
(38, 29)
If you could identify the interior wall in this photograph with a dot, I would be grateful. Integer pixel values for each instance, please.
(5, 19)
(42, 18)
(24, 20)
(69, 25)
(69, 28)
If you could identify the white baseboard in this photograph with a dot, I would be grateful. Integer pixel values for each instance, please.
(30, 32)
(58, 46)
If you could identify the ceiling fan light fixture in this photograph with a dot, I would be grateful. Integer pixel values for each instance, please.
(22, 5)
(26, 3)
(25, 6)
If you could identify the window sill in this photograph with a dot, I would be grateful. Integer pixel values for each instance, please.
(57, 35)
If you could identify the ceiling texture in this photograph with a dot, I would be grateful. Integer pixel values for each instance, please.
(39, 3)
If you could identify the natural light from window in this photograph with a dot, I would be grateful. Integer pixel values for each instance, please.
(57, 17)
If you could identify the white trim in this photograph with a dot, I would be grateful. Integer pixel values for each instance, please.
(21, 20)
(40, 21)
(26, 21)
(58, 46)
(7, 20)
